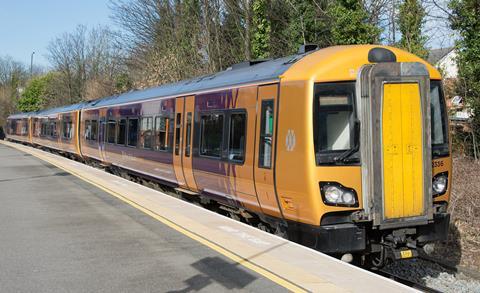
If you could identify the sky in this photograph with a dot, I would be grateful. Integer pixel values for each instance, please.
(28, 26)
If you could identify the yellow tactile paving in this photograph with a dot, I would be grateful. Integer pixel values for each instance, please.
(290, 265)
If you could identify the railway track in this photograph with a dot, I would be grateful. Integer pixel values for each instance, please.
(405, 281)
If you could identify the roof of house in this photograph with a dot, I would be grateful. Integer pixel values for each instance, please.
(436, 55)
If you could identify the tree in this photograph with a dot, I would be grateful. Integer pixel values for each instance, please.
(87, 62)
(465, 20)
(410, 22)
(261, 30)
(13, 76)
(34, 96)
(349, 23)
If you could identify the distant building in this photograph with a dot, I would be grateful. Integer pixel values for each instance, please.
(445, 60)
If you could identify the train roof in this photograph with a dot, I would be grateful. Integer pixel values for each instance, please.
(21, 115)
(329, 64)
(239, 74)
(46, 112)
(62, 109)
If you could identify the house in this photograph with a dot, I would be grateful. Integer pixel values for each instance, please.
(445, 60)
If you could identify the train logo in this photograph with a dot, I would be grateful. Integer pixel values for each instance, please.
(290, 140)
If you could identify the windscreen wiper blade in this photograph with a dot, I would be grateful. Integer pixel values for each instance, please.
(345, 155)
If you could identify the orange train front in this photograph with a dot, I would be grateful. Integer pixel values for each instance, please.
(344, 149)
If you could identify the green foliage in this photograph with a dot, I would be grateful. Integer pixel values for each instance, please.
(349, 23)
(411, 20)
(123, 83)
(261, 30)
(466, 21)
(34, 95)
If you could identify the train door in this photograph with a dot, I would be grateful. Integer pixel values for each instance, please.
(102, 129)
(31, 129)
(188, 119)
(177, 142)
(264, 164)
(395, 117)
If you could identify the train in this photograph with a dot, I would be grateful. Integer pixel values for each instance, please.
(343, 149)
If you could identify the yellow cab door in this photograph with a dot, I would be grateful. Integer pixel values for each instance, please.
(188, 123)
(402, 150)
(394, 110)
(264, 153)
(178, 142)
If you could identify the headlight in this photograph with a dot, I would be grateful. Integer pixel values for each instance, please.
(439, 184)
(337, 195)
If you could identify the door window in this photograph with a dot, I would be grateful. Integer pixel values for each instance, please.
(266, 134)
(177, 133)
(188, 134)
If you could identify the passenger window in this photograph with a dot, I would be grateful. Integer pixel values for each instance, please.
(67, 128)
(122, 129)
(146, 132)
(266, 135)
(162, 140)
(88, 129)
(188, 134)
(211, 135)
(111, 131)
(236, 144)
(94, 133)
(177, 133)
(53, 131)
(132, 132)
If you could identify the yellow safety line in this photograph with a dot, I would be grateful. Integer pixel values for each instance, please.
(242, 261)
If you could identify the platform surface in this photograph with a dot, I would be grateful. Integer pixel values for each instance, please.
(68, 227)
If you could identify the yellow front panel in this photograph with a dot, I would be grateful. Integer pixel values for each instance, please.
(402, 150)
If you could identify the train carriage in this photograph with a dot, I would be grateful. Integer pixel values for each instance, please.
(344, 149)
(57, 129)
(18, 127)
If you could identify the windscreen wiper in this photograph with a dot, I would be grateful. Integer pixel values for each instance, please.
(356, 137)
(342, 158)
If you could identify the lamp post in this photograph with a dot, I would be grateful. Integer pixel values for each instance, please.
(31, 64)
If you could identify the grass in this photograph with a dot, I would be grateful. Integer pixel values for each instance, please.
(463, 245)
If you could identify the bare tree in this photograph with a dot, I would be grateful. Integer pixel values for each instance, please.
(13, 76)
(87, 63)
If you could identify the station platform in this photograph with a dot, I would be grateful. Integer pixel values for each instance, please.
(68, 227)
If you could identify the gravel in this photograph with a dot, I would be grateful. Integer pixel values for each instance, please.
(433, 276)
